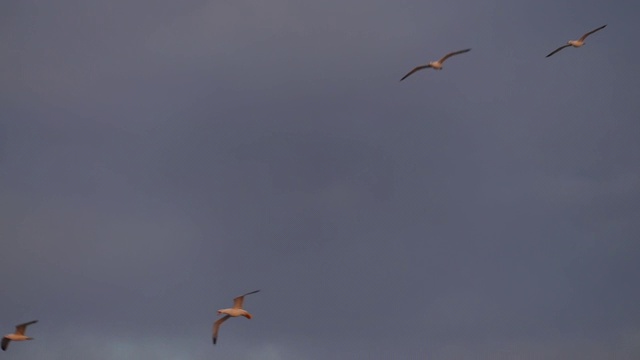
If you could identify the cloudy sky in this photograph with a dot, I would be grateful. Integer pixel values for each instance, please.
(158, 158)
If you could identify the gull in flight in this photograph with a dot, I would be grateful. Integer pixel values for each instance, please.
(437, 65)
(18, 335)
(235, 311)
(577, 43)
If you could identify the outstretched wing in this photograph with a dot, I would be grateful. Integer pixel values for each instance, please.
(237, 302)
(452, 54)
(591, 32)
(414, 70)
(216, 327)
(5, 343)
(22, 327)
(558, 49)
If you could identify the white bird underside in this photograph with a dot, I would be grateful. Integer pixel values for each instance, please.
(235, 311)
(17, 336)
(435, 64)
(577, 43)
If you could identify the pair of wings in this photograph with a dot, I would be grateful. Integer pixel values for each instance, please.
(237, 304)
(581, 39)
(20, 329)
(418, 68)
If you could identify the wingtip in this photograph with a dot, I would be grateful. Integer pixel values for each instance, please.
(214, 341)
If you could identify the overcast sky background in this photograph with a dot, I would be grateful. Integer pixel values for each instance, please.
(159, 158)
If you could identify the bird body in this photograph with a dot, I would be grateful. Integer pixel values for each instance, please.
(234, 311)
(575, 43)
(17, 336)
(436, 65)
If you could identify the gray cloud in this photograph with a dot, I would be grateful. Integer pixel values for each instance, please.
(158, 159)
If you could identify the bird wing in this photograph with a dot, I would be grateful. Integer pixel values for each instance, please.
(5, 343)
(591, 32)
(558, 49)
(237, 302)
(418, 68)
(22, 327)
(452, 54)
(216, 327)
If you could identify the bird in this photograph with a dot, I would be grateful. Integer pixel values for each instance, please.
(437, 65)
(577, 43)
(235, 311)
(18, 335)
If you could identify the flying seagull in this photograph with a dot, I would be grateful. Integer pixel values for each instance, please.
(576, 43)
(235, 311)
(18, 335)
(437, 65)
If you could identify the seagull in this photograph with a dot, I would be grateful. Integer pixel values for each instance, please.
(576, 43)
(437, 65)
(235, 311)
(18, 335)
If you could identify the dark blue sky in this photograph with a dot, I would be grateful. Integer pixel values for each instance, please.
(158, 158)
